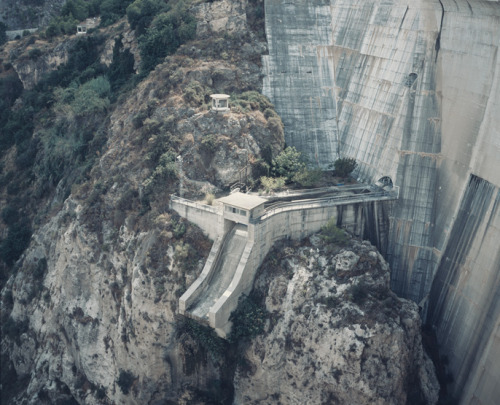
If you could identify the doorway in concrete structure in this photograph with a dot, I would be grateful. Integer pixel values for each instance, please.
(385, 182)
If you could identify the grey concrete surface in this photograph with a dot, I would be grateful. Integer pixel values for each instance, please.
(415, 95)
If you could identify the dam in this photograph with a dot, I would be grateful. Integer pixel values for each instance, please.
(410, 89)
(244, 227)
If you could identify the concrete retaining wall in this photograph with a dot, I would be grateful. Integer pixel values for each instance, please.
(208, 218)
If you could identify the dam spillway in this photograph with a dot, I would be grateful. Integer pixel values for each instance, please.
(410, 89)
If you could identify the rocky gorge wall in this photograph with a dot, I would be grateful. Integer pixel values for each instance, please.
(410, 90)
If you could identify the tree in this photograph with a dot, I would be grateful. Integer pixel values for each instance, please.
(76, 8)
(288, 163)
(344, 166)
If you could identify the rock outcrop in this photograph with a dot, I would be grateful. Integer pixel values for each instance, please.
(336, 333)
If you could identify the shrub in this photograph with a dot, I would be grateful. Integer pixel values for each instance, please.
(77, 9)
(331, 302)
(166, 33)
(61, 25)
(125, 381)
(248, 319)
(275, 125)
(288, 163)
(204, 336)
(122, 66)
(260, 168)
(194, 93)
(165, 170)
(141, 12)
(209, 142)
(10, 215)
(209, 198)
(14, 329)
(358, 292)
(272, 183)
(330, 233)
(18, 239)
(34, 53)
(113, 10)
(252, 100)
(306, 177)
(344, 166)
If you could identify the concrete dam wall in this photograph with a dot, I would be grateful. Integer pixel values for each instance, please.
(411, 90)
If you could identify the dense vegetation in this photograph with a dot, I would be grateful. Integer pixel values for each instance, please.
(71, 104)
(160, 26)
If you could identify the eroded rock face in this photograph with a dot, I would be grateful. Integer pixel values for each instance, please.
(338, 334)
(31, 70)
(225, 16)
(22, 14)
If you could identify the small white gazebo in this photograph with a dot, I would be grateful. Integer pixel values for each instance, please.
(220, 102)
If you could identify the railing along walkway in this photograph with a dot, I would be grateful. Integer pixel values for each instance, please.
(379, 195)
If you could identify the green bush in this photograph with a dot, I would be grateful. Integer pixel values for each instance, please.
(194, 93)
(358, 292)
(125, 381)
(141, 12)
(10, 215)
(17, 240)
(78, 9)
(288, 163)
(210, 142)
(34, 53)
(275, 125)
(166, 33)
(204, 336)
(307, 177)
(252, 100)
(122, 66)
(113, 10)
(164, 171)
(61, 25)
(14, 329)
(344, 166)
(248, 319)
(272, 183)
(330, 233)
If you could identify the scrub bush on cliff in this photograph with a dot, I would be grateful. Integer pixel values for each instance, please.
(288, 163)
(166, 33)
(344, 166)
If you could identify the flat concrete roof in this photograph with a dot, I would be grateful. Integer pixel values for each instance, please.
(221, 96)
(241, 200)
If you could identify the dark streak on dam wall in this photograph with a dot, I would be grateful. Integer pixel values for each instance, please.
(466, 290)
(411, 90)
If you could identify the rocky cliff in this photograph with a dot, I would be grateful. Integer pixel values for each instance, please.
(89, 311)
(19, 15)
(335, 334)
(409, 89)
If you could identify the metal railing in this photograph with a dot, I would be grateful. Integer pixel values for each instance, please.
(278, 207)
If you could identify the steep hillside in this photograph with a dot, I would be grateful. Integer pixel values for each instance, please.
(22, 14)
(93, 261)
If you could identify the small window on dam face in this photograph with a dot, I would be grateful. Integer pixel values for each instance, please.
(411, 79)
